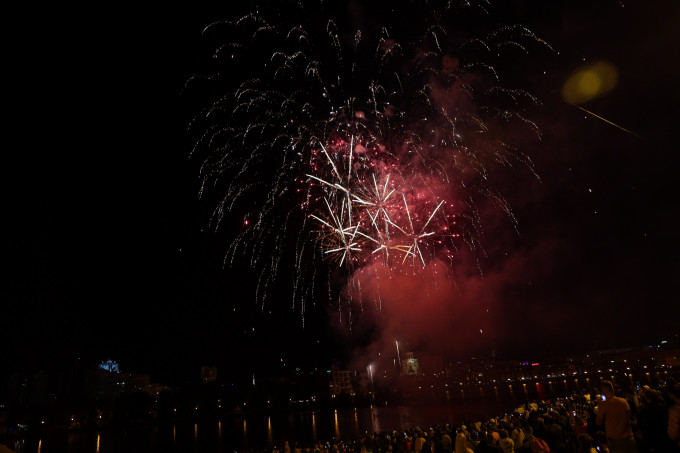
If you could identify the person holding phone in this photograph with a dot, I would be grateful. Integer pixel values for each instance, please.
(614, 413)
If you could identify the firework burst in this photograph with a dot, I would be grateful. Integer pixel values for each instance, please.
(350, 143)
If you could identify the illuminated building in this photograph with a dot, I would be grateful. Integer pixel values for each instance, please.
(410, 365)
(110, 366)
(140, 382)
(341, 381)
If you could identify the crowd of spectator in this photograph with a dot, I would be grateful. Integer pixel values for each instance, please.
(610, 419)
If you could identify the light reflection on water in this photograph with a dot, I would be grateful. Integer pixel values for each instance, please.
(270, 434)
(242, 433)
(259, 432)
(314, 433)
(375, 421)
(219, 435)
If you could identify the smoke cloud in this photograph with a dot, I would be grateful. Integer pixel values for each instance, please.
(449, 313)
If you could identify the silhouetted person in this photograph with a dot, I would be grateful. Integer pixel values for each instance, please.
(447, 443)
(462, 444)
(652, 420)
(554, 435)
(518, 436)
(487, 445)
(586, 444)
(505, 442)
(539, 428)
(673, 426)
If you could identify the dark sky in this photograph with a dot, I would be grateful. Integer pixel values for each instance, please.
(107, 251)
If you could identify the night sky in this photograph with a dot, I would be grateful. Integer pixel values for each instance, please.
(108, 254)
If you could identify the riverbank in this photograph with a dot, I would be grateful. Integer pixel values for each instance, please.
(257, 431)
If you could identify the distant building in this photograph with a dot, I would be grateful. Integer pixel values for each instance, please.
(110, 366)
(156, 389)
(409, 365)
(139, 382)
(38, 388)
(341, 381)
(208, 374)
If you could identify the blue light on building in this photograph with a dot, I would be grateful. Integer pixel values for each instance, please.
(110, 365)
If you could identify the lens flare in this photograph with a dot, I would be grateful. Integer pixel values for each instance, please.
(590, 82)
